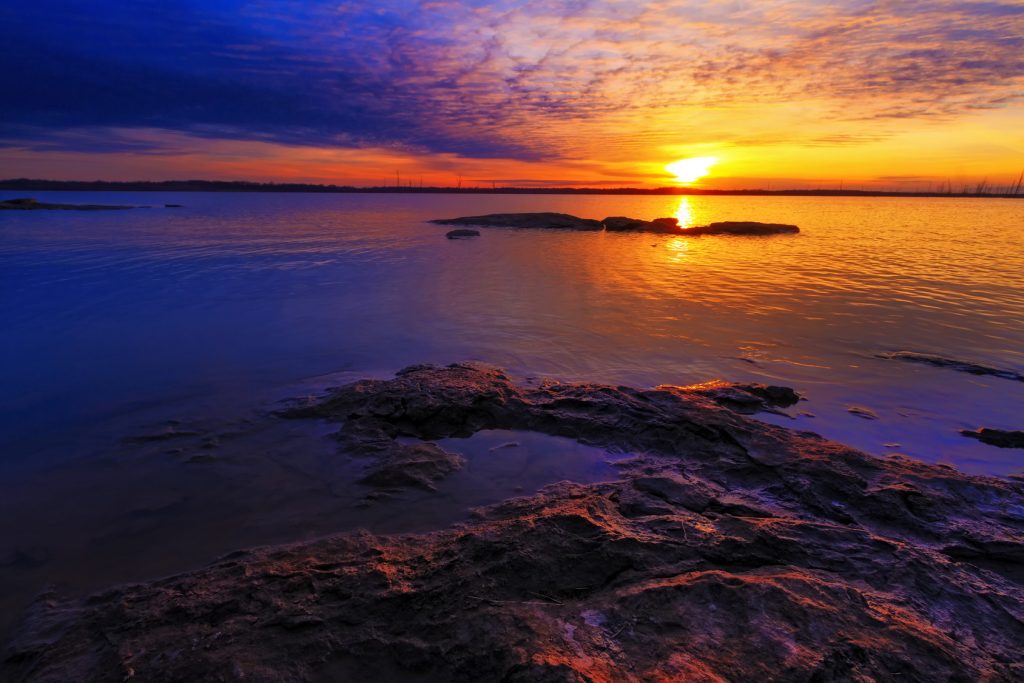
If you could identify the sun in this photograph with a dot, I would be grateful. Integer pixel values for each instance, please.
(692, 169)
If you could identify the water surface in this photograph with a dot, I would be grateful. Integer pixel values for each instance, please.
(117, 322)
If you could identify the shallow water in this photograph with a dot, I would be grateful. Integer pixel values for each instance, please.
(115, 322)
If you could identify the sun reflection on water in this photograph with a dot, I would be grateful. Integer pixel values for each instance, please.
(678, 249)
(685, 213)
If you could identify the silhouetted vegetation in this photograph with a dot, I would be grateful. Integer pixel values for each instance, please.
(981, 189)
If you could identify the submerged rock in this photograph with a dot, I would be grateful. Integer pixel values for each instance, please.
(560, 221)
(30, 204)
(862, 412)
(728, 549)
(996, 437)
(953, 364)
(461, 234)
(743, 228)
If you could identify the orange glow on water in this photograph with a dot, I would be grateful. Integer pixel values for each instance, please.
(684, 214)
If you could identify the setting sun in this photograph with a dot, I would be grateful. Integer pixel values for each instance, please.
(692, 169)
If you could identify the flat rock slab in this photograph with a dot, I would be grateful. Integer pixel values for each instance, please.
(953, 364)
(556, 221)
(727, 549)
(752, 228)
(29, 204)
(1002, 438)
(564, 221)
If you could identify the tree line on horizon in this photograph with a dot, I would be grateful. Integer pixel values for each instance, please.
(980, 189)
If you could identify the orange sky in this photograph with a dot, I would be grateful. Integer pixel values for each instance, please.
(893, 95)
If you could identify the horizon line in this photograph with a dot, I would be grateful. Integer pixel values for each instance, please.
(198, 185)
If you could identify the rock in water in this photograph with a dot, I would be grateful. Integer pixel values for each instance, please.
(953, 364)
(564, 221)
(30, 204)
(461, 234)
(743, 228)
(996, 437)
(23, 203)
(624, 224)
(560, 221)
(728, 549)
(862, 412)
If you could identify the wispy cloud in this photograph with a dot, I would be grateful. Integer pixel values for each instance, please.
(530, 80)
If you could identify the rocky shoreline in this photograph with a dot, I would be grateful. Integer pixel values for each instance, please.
(727, 550)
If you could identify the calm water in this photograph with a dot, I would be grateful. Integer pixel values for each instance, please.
(115, 322)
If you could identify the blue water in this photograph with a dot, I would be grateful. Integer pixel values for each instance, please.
(109, 314)
(116, 322)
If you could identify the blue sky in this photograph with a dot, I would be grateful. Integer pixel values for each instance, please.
(587, 90)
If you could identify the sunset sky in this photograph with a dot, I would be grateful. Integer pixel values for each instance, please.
(902, 94)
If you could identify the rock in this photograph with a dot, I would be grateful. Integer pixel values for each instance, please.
(727, 549)
(173, 206)
(996, 437)
(562, 221)
(416, 466)
(746, 398)
(461, 234)
(19, 203)
(617, 224)
(862, 412)
(953, 364)
(742, 228)
(29, 204)
(624, 224)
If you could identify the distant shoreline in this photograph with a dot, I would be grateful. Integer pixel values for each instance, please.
(38, 185)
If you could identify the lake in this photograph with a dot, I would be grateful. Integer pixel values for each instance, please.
(118, 324)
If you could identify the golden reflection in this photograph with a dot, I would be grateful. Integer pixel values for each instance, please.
(678, 249)
(685, 213)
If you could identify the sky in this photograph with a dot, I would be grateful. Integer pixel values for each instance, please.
(906, 94)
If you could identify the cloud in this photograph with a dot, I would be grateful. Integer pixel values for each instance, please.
(529, 80)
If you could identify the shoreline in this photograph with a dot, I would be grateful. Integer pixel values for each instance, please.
(37, 185)
(724, 538)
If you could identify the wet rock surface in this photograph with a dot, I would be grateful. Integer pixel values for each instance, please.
(670, 226)
(29, 204)
(728, 550)
(953, 364)
(1002, 438)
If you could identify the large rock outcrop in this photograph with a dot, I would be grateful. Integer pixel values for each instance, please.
(728, 550)
(563, 221)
